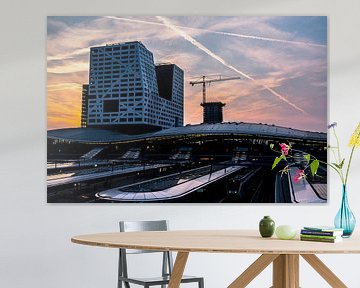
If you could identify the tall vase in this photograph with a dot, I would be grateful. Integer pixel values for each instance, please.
(345, 219)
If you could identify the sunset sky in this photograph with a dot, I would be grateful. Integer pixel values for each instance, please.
(282, 62)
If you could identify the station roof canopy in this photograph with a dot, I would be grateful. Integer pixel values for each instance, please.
(92, 135)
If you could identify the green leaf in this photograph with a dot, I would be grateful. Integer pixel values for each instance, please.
(277, 160)
(339, 166)
(336, 165)
(271, 146)
(342, 163)
(314, 167)
(307, 157)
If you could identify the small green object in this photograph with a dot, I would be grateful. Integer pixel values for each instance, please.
(285, 232)
(277, 160)
(266, 227)
(314, 167)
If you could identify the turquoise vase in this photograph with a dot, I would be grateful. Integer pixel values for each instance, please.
(345, 219)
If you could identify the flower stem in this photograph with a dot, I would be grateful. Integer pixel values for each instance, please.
(340, 159)
(333, 152)
(348, 167)
(337, 144)
(336, 169)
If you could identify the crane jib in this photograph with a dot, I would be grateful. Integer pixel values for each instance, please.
(205, 81)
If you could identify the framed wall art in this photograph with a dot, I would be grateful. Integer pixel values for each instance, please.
(189, 109)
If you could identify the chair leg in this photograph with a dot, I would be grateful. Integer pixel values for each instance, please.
(201, 283)
(165, 266)
(126, 284)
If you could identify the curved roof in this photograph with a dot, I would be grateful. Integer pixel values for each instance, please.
(243, 129)
(92, 135)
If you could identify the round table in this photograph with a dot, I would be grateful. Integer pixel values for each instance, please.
(284, 254)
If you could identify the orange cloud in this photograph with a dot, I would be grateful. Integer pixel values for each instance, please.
(64, 105)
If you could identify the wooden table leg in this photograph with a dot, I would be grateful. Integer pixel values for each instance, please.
(253, 270)
(178, 269)
(293, 261)
(286, 271)
(324, 271)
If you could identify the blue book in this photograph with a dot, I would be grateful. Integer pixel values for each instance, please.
(322, 231)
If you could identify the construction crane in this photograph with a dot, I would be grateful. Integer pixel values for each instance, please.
(205, 81)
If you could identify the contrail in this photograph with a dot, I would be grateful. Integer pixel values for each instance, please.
(222, 61)
(253, 37)
(265, 38)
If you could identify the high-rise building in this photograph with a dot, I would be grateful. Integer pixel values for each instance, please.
(124, 90)
(170, 81)
(213, 112)
(84, 104)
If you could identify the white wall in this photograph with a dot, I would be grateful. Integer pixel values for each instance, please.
(35, 248)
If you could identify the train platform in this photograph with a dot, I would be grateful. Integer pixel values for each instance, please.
(168, 187)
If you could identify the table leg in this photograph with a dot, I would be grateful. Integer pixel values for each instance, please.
(253, 270)
(286, 271)
(178, 269)
(324, 271)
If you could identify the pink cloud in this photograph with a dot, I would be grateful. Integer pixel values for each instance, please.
(297, 72)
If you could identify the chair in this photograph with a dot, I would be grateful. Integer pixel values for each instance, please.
(161, 225)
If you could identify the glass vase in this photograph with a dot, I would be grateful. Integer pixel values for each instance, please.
(345, 219)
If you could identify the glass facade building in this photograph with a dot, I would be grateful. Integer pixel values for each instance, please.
(124, 90)
(84, 104)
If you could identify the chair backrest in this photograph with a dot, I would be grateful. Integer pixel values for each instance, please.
(137, 226)
(133, 226)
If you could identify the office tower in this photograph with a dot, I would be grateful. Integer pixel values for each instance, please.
(170, 81)
(124, 93)
(84, 104)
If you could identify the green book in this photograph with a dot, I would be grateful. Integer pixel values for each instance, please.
(319, 236)
(325, 240)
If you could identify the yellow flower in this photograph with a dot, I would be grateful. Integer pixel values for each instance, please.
(355, 138)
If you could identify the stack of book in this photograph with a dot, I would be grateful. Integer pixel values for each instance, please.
(321, 234)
